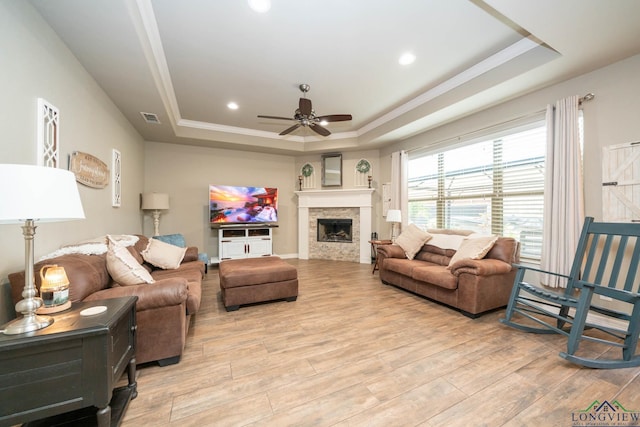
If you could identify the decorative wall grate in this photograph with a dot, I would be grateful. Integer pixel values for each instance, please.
(48, 134)
(307, 172)
(116, 178)
(363, 174)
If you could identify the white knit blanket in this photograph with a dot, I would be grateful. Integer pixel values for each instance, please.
(95, 246)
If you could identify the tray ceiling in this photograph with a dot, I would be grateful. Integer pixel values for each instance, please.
(186, 60)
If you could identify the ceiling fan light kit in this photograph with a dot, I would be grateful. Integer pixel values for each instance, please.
(305, 116)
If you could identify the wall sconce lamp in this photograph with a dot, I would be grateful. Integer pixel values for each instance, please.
(30, 194)
(394, 216)
(54, 289)
(155, 202)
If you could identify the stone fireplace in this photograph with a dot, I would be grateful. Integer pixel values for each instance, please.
(339, 250)
(352, 204)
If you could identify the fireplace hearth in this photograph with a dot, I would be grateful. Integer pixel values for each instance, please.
(335, 230)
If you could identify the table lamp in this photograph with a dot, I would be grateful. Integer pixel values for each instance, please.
(394, 216)
(155, 202)
(29, 194)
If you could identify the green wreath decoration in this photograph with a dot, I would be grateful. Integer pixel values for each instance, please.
(363, 166)
(307, 170)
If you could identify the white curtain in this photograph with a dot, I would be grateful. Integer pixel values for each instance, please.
(563, 193)
(399, 184)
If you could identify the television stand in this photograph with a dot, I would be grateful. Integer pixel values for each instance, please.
(236, 241)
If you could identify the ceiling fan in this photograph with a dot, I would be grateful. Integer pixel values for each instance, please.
(305, 116)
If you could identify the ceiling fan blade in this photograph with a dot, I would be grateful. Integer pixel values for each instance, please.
(291, 129)
(305, 106)
(335, 118)
(320, 130)
(276, 117)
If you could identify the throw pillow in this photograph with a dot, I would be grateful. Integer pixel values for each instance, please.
(446, 241)
(473, 248)
(163, 255)
(124, 268)
(411, 240)
(174, 239)
(121, 239)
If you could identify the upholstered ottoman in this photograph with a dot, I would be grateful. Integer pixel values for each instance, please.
(250, 280)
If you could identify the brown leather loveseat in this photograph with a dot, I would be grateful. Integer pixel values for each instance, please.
(473, 286)
(163, 309)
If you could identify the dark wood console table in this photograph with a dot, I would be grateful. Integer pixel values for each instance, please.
(374, 250)
(70, 365)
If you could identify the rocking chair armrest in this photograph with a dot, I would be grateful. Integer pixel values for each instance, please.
(617, 294)
(524, 267)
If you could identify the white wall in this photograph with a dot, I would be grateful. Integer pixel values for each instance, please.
(185, 173)
(36, 64)
(349, 161)
(613, 117)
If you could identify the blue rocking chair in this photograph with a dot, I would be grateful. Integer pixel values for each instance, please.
(605, 264)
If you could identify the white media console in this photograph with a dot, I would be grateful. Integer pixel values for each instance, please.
(244, 240)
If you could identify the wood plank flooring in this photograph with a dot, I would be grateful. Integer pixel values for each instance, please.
(354, 352)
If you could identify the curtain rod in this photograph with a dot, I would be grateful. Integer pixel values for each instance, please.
(464, 135)
(588, 97)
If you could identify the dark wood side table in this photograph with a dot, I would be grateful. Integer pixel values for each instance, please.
(70, 365)
(374, 245)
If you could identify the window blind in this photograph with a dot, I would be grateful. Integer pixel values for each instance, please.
(494, 186)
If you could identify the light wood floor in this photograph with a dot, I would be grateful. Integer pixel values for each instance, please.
(354, 352)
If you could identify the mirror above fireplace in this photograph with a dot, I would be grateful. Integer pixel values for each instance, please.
(332, 170)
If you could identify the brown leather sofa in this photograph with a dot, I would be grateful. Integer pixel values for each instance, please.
(163, 309)
(473, 286)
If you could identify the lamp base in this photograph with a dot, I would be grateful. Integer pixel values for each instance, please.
(156, 223)
(28, 323)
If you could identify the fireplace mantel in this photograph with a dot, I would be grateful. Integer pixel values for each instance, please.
(347, 198)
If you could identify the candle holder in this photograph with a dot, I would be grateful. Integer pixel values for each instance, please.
(369, 179)
(300, 182)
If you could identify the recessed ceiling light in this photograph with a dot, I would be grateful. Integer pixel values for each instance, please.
(232, 106)
(260, 6)
(324, 122)
(407, 58)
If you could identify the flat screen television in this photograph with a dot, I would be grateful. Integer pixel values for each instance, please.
(242, 205)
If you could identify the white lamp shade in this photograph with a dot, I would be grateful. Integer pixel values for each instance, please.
(155, 201)
(394, 215)
(39, 193)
